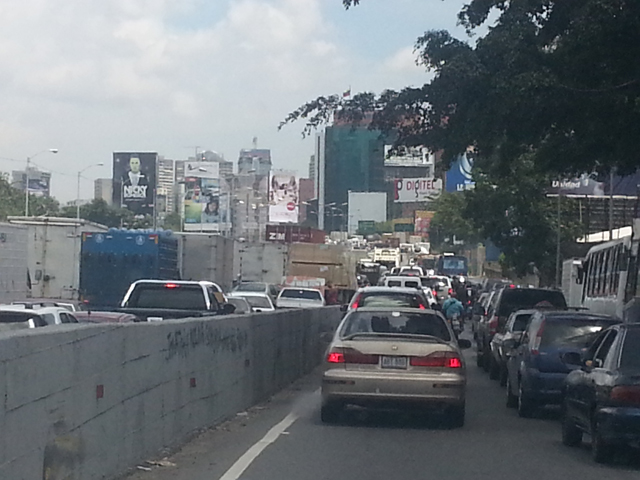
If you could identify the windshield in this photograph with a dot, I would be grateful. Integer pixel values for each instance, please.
(516, 299)
(453, 263)
(251, 287)
(390, 299)
(301, 294)
(521, 321)
(258, 302)
(241, 304)
(568, 332)
(181, 297)
(396, 323)
(631, 350)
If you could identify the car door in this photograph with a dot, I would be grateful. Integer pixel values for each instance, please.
(498, 338)
(523, 352)
(514, 358)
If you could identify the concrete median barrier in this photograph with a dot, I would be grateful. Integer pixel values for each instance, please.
(89, 402)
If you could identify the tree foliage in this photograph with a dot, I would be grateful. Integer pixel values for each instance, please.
(449, 223)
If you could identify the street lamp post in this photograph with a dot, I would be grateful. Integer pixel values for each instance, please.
(100, 164)
(26, 179)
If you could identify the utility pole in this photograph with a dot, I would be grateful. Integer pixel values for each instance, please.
(611, 205)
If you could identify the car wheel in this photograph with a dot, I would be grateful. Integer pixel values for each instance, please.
(330, 412)
(456, 416)
(512, 400)
(494, 369)
(526, 406)
(601, 451)
(571, 434)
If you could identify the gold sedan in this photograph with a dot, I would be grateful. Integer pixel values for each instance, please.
(381, 357)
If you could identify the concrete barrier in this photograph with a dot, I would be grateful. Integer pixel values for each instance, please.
(89, 402)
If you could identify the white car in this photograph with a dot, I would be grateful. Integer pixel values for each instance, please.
(18, 316)
(259, 302)
(300, 297)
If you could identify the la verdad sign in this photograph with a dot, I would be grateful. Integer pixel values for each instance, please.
(417, 189)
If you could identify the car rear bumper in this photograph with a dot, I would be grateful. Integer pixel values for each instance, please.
(619, 424)
(544, 388)
(371, 388)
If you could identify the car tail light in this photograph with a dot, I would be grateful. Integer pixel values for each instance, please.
(450, 291)
(438, 359)
(493, 325)
(354, 305)
(170, 285)
(351, 355)
(535, 350)
(512, 286)
(435, 293)
(422, 307)
(626, 394)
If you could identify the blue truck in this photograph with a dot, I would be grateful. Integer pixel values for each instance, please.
(111, 261)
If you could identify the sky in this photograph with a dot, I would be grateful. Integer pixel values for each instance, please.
(91, 78)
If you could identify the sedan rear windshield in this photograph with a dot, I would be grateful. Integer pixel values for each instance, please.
(396, 323)
(251, 287)
(301, 294)
(572, 332)
(631, 350)
(180, 297)
(516, 299)
(395, 299)
(258, 302)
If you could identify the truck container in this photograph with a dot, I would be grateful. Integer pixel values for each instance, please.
(261, 262)
(206, 257)
(14, 274)
(111, 261)
(53, 245)
(331, 262)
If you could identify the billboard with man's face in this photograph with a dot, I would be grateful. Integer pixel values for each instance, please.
(134, 181)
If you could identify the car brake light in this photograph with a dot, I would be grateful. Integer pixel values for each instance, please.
(450, 291)
(493, 325)
(626, 394)
(512, 286)
(351, 355)
(535, 350)
(438, 359)
(170, 285)
(435, 293)
(356, 302)
(422, 307)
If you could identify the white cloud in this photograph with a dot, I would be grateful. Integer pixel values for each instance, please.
(93, 77)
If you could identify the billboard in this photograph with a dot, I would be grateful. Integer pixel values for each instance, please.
(407, 157)
(459, 176)
(206, 203)
(283, 197)
(134, 181)
(293, 234)
(417, 189)
(422, 221)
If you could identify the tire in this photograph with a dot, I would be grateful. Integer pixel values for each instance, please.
(512, 400)
(330, 412)
(503, 376)
(486, 360)
(526, 406)
(494, 369)
(571, 434)
(456, 416)
(479, 361)
(601, 451)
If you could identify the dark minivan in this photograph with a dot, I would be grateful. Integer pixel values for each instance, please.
(504, 303)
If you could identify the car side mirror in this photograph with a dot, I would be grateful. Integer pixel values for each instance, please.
(344, 308)
(464, 344)
(228, 309)
(572, 358)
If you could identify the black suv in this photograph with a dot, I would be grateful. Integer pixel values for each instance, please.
(505, 302)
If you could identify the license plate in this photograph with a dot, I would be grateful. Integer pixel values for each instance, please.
(399, 363)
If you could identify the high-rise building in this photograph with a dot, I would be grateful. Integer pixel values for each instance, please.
(165, 190)
(103, 190)
(39, 182)
(249, 205)
(306, 193)
(312, 169)
(256, 161)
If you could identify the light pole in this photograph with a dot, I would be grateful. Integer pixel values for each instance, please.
(26, 179)
(99, 164)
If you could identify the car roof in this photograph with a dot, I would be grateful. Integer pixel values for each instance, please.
(205, 283)
(554, 313)
(37, 311)
(400, 310)
(248, 294)
(525, 311)
(402, 277)
(300, 288)
(378, 289)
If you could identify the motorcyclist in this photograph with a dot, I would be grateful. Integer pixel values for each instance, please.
(453, 309)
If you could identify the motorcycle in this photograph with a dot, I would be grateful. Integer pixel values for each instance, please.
(456, 324)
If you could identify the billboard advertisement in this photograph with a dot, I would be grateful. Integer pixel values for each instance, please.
(417, 189)
(407, 157)
(39, 184)
(206, 203)
(134, 181)
(293, 234)
(283, 197)
(422, 221)
(459, 176)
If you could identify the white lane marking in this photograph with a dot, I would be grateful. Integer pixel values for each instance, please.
(238, 468)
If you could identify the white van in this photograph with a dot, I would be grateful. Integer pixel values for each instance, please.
(405, 282)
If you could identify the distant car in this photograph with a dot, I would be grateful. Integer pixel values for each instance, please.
(381, 357)
(411, 270)
(241, 304)
(259, 302)
(536, 369)
(508, 336)
(258, 287)
(40, 316)
(105, 317)
(71, 305)
(502, 304)
(602, 393)
(300, 297)
(391, 297)
(11, 320)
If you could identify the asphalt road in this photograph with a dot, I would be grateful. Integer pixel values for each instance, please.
(284, 440)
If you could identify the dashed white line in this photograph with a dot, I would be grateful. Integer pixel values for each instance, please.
(238, 468)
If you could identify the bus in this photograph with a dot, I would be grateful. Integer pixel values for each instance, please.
(450, 265)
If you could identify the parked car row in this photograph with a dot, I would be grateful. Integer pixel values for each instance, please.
(545, 354)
